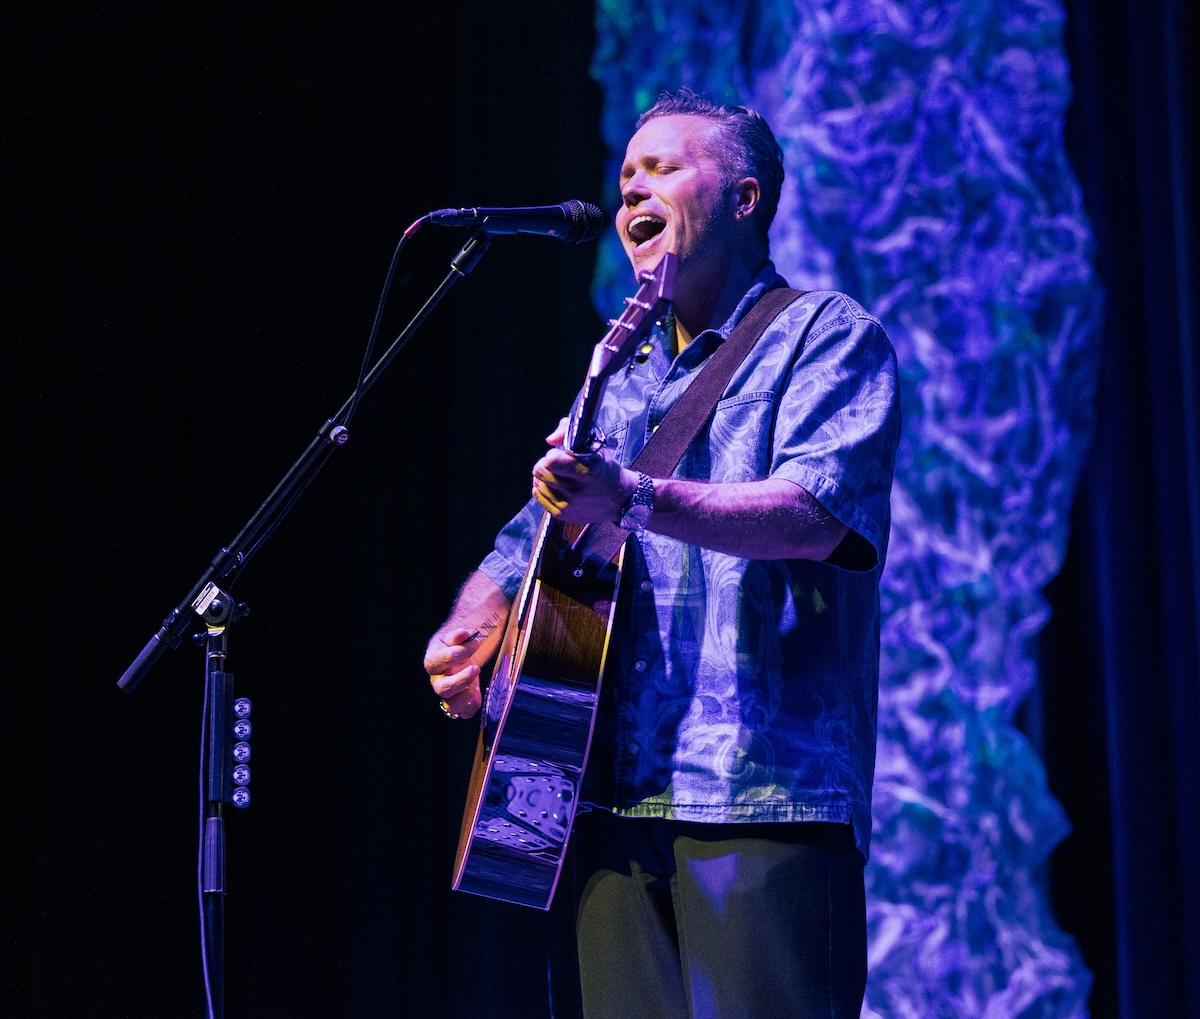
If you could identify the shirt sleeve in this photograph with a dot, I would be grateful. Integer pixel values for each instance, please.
(505, 565)
(838, 425)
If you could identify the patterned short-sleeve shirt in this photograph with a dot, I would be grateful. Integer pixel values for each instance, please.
(741, 689)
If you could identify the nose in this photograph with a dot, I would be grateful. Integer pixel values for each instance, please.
(634, 190)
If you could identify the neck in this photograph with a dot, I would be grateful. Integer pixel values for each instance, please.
(706, 300)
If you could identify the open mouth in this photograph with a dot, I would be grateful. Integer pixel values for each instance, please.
(644, 228)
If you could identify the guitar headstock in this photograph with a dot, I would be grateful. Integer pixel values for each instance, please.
(654, 295)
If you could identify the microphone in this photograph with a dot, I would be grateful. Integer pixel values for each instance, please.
(572, 221)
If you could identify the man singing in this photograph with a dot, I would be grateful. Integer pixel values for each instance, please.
(720, 871)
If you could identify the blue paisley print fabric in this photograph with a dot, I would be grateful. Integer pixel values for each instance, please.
(737, 689)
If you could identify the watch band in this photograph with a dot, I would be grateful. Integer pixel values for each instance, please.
(636, 513)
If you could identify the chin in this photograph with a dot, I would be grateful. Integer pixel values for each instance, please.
(646, 259)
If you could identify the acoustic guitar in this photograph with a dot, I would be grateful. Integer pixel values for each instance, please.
(540, 706)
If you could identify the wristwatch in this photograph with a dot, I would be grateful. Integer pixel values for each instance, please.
(636, 512)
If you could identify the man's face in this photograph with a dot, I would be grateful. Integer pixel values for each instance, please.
(672, 197)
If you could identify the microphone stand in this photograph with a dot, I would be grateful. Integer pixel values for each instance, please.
(209, 600)
(333, 433)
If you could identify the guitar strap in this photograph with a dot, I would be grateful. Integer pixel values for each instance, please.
(597, 545)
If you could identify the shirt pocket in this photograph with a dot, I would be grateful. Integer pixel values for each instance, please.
(739, 438)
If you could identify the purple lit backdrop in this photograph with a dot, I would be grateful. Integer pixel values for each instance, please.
(927, 176)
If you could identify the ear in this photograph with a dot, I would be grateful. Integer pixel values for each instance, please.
(746, 193)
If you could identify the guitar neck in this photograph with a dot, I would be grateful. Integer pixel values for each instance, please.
(583, 423)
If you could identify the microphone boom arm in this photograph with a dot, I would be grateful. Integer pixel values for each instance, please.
(332, 434)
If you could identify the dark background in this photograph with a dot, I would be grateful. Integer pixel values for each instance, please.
(201, 209)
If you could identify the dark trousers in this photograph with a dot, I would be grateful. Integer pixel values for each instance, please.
(747, 921)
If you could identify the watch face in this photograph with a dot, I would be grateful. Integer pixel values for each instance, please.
(636, 516)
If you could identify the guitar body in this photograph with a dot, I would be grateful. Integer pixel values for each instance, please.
(540, 707)
(538, 717)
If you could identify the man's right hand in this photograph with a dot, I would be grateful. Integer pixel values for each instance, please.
(464, 642)
(452, 674)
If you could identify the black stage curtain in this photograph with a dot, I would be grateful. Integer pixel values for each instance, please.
(1120, 692)
(204, 205)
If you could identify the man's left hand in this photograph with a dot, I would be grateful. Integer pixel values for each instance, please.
(581, 489)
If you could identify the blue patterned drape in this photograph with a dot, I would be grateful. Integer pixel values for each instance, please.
(927, 177)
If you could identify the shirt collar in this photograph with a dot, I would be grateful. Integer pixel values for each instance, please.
(765, 279)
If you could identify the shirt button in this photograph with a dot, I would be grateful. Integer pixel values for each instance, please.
(639, 665)
(633, 747)
(647, 585)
